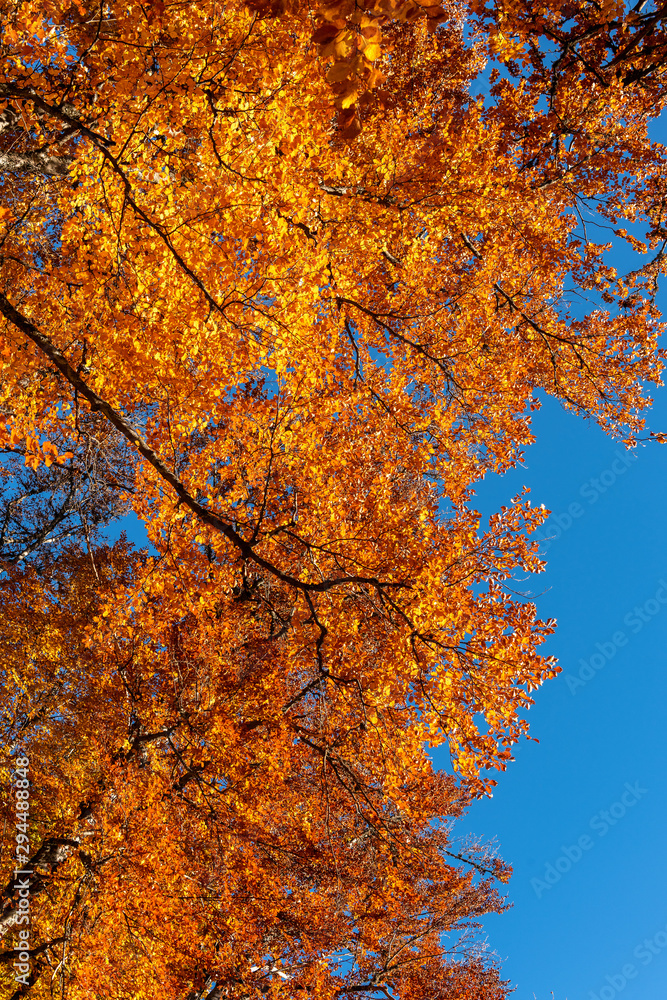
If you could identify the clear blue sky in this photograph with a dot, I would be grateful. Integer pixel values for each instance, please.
(589, 800)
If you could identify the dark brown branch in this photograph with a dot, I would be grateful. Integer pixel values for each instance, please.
(211, 519)
(7, 956)
(66, 114)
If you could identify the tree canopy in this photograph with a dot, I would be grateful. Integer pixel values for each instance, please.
(287, 281)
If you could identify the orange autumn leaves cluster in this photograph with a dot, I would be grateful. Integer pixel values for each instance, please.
(291, 289)
(351, 34)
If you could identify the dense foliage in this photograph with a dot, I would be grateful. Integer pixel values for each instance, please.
(274, 278)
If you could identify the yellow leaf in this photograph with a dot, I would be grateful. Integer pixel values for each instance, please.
(347, 101)
(372, 51)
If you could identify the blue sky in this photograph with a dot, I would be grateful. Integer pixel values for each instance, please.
(581, 815)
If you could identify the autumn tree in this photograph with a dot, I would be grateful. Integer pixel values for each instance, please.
(303, 289)
(218, 845)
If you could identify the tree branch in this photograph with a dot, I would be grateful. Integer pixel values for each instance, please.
(208, 517)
